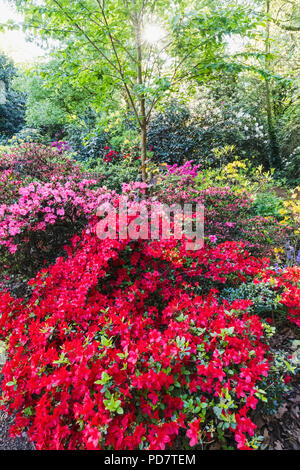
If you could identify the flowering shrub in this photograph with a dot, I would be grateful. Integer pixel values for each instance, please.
(287, 283)
(291, 210)
(180, 133)
(9, 186)
(38, 162)
(135, 188)
(98, 365)
(4, 149)
(242, 175)
(165, 177)
(61, 146)
(45, 198)
(124, 345)
(36, 225)
(228, 215)
(187, 169)
(110, 156)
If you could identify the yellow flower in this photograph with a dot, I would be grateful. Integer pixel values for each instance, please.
(285, 221)
(282, 211)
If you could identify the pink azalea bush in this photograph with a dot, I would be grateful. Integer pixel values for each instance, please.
(32, 162)
(9, 186)
(61, 146)
(187, 169)
(43, 219)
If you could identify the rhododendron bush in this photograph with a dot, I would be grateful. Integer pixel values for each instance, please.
(43, 218)
(124, 345)
(38, 162)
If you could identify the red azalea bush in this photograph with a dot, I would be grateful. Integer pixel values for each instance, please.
(115, 350)
(111, 155)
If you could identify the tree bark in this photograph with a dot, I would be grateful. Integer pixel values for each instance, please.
(144, 150)
(142, 101)
(274, 152)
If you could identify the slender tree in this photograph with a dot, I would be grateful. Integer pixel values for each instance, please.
(145, 47)
(274, 155)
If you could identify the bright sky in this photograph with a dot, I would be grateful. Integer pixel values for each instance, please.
(13, 43)
(235, 43)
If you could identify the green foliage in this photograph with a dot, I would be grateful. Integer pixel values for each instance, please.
(174, 135)
(268, 204)
(113, 175)
(265, 299)
(289, 135)
(51, 104)
(182, 133)
(105, 53)
(90, 136)
(291, 168)
(85, 139)
(122, 131)
(274, 384)
(12, 102)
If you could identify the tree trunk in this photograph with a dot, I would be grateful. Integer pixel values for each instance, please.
(144, 149)
(274, 152)
(142, 120)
